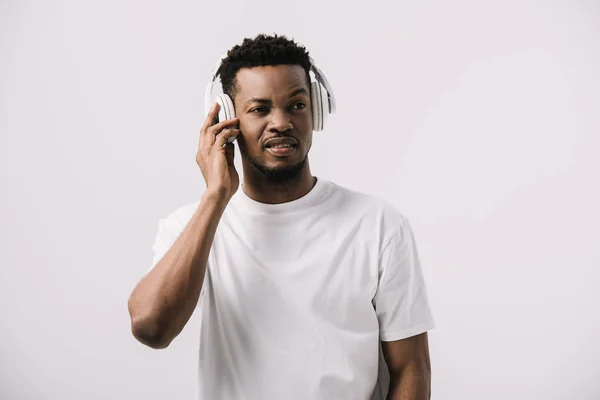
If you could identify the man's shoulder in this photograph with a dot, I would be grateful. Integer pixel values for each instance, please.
(369, 201)
(366, 204)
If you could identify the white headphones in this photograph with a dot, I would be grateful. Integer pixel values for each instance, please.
(321, 94)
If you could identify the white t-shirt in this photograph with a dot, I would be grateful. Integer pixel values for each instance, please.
(297, 296)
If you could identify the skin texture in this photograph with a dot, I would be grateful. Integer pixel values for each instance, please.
(410, 368)
(274, 102)
(215, 158)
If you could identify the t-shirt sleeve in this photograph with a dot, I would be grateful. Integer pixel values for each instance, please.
(165, 237)
(401, 302)
(169, 230)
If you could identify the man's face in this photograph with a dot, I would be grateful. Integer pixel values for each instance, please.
(273, 105)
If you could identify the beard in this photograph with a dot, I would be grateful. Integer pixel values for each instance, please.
(280, 175)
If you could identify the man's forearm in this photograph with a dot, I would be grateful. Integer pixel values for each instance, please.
(412, 383)
(164, 300)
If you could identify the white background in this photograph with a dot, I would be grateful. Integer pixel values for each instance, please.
(479, 121)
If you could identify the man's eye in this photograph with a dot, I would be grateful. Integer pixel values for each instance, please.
(299, 106)
(259, 110)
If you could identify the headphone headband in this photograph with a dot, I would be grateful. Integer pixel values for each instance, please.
(215, 72)
(319, 75)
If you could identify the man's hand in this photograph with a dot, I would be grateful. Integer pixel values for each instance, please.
(215, 156)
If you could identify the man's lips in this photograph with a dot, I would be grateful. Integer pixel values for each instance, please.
(281, 142)
(281, 146)
(281, 151)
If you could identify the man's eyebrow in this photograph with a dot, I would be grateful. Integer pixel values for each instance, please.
(257, 100)
(298, 91)
(267, 101)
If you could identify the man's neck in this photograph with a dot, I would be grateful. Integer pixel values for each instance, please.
(262, 190)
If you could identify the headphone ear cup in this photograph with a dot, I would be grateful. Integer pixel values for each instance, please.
(226, 109)
(317, 106)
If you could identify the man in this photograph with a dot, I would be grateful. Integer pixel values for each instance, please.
(298, 281)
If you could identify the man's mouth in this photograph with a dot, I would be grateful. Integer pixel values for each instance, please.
(281, 150)
(281, 147)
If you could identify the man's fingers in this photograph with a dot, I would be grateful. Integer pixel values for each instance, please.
(210, 117)
(228, 123)
(205, 140)
(225, 135)
(230, 153)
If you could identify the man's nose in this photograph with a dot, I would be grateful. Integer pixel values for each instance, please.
(280, 121)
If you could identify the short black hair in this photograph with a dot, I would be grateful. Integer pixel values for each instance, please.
(262, 50)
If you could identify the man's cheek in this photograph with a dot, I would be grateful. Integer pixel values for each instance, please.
(249, 130)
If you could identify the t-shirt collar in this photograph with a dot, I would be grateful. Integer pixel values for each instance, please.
(312, 198)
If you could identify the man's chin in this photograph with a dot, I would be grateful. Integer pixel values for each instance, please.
(280, 173)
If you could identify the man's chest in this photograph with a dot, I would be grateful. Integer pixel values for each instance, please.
(308, 271)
